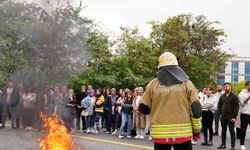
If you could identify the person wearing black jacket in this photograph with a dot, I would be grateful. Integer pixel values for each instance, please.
(79, 117)
(69, 111)
(10, 100)
(110, 107)
(228, 108)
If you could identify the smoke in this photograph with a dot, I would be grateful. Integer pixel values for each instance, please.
(55, 42)
(50, 5)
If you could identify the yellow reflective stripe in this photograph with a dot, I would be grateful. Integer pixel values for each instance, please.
(172, 135)
(172, 125)
(172, 129)
(196, 122)
(167, 133)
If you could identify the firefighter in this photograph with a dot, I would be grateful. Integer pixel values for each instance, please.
(172, 102)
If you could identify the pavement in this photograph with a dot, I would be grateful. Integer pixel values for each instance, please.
(19, 139)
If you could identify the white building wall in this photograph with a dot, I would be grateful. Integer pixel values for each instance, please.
(228, 72)
(241, 71)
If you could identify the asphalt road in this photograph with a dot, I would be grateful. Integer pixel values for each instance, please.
(19, 139)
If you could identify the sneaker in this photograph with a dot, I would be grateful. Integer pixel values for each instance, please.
(88, 130)
(194, 142)
(150, 138)
(141, 137)
(96, 132)
(107, 132)
(210, 143)
(137, 137)
(242, 147)
(114, 133)
(92, 130)
(120, 137)
(221, 147)
(129, 137)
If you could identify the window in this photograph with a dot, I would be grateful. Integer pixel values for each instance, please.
(247, 78)
(247, 68)
(235, 72)
(235, 68)
(221, 80)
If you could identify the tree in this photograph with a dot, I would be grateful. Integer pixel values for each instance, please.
(196, 43)
(194, 40)
(50, 46)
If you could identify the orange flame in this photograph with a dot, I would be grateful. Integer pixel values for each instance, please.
(57, 138)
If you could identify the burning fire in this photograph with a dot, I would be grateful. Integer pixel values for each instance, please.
(57, 138)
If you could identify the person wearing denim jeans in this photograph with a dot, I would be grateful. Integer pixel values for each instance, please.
(127, 108)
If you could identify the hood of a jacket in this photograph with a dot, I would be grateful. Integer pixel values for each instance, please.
(171, 75)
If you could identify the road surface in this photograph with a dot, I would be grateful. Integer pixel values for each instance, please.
(18, 139)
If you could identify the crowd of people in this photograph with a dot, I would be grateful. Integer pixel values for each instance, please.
(227, 108)
(116, 112)
(170, 110)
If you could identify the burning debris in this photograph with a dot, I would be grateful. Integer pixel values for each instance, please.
(57, 138)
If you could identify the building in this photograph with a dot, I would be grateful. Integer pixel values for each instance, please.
(237, 70)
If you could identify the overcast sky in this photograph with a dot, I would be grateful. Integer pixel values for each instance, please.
(234, 16)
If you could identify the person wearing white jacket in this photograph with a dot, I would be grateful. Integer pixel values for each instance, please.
(207, 104)
(244, 98)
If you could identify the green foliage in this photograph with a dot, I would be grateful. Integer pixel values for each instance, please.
(47, 47)
(52, 47)
(194, 40)
(196, 43)
(238, 87)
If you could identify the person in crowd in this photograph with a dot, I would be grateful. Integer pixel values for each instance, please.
(140, 119)
(90, 88)
(135, 94)
(48, 101)
(207, 104)
(105, 114)
(228, 107)
(172, 102)
(79, 117)
(111, 113)
(118, 103)
(120, 92)
(10, 101)
(28, 113)
(99, 109)
(58, 103)
(244, 98)
(20, 89)
(64, 90)
(127, 108)
(202, 94)
(216, 112)
(69, 111)
(39, 106)
(1, 108)
(88, 108)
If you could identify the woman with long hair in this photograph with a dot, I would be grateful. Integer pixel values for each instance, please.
(127, 108)
(99, 109)
(28, 115)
